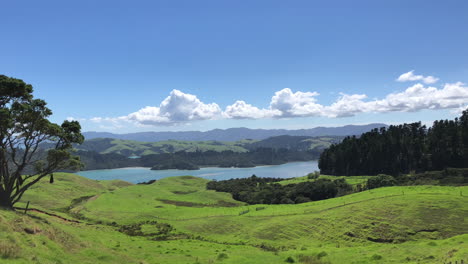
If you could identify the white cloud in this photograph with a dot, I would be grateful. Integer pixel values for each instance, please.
(178, 107)
(285, 103)
(243, 110)
(414, 98)
(346, 105)
(182, 108)
(409, 76)
(418, 97)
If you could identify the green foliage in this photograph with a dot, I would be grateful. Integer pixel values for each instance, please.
(255, 190)
(400, 149)
(381, 180)
(322, 254)
(289, 260)
(313, 176)
(222, 256)
(24, 127)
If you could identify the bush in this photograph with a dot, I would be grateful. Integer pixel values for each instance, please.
(290, 260)
(222, 256)
(322, 254)
(286, 200)
(381, 180)
(314, 175)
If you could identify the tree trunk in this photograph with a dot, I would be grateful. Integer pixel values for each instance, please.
(5, 201)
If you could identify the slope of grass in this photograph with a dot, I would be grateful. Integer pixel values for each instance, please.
(66, 189)
(130, 147)
(43, 239)
(353, 180)
(173, 197)
(410, 224)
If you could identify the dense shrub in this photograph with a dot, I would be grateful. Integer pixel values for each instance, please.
(381, 180)
(255, 190)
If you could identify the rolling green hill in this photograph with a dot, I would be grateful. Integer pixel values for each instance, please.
(138, 148)
(176, 220)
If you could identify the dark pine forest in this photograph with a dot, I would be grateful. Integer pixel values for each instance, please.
(400, 149)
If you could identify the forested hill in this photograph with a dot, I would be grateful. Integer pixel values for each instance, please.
(235, 134)
(400, 149)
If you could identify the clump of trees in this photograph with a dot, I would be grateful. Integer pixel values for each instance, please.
(256, 190)
(23, 128)
(400, 149)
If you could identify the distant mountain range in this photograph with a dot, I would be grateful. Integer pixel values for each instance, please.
(235, 134)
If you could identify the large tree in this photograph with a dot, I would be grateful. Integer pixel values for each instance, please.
(24, 128)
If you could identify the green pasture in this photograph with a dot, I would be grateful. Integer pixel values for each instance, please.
(404, 224)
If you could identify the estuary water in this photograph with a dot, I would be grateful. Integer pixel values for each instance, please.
(136, 175)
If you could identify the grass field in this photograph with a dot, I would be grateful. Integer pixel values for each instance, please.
(411, 224)
(353, 180)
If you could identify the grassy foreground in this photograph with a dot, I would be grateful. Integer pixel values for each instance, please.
(122, 223)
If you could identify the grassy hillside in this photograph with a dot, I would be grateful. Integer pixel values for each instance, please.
(353, 180)
(130, 147)
(66, 188)
(300, 143)
(138, 148)
(414, 224)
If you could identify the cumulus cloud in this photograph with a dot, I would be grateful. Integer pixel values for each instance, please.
(178, 107)
(414, 98)
(418, 97)
(346, 105)
(243, 110)
(285, 103)
(410, 76)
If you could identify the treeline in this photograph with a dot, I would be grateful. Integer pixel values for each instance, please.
(192, 160)
(255, 190)
(400, 149)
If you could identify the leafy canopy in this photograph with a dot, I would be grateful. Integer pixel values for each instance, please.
(24, 127)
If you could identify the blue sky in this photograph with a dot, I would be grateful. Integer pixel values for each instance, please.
(126, 66)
